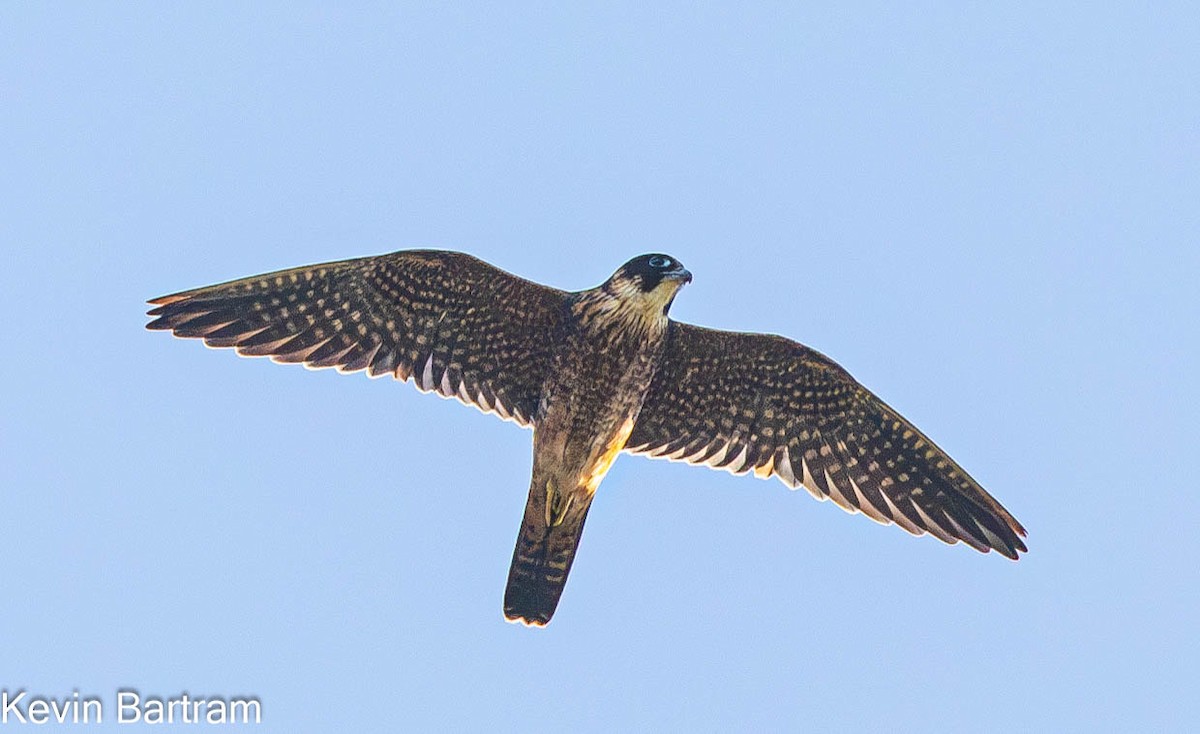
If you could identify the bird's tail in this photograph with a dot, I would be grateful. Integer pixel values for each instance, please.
(550, 533)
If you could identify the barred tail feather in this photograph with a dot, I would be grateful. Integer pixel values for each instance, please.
(543, 556)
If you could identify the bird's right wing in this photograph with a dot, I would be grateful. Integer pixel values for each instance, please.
(762, 403)
(452, 322)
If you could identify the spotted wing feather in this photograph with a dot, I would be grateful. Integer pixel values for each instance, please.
(450, 322)
(764, 404)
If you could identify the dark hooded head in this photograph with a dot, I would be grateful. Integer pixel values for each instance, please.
(648, 272)
(648, 283)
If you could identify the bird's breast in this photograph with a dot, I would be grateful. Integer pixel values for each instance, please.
(591, 401)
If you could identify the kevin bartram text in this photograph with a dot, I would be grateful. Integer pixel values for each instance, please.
(128, 706)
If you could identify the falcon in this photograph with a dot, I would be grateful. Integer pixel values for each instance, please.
(594, 373)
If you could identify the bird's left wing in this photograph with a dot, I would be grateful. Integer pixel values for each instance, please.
(452, 322)
(762, 403)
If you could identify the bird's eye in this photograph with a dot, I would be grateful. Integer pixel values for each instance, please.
(660, 262)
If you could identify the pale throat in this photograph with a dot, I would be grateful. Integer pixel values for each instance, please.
(633, 307)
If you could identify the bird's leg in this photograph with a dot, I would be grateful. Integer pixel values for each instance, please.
(557, 504)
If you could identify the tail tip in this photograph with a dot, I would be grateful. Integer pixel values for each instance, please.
(526, 619)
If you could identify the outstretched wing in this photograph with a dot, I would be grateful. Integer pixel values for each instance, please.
(450, 321)
(762, 403)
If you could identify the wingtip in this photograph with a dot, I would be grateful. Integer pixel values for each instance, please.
(164, 300)
(1018, 545)
(1013, 549)
(1010, 553)
(1019, 529)
(1020, 548)
(159, 314)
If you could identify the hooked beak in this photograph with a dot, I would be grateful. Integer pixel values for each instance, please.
(683, 275)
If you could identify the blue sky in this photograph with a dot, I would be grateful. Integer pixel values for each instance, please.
(987, 214)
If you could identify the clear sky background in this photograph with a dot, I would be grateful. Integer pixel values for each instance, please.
(987, 214)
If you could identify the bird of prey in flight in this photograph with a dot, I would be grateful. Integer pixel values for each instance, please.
(594, 373)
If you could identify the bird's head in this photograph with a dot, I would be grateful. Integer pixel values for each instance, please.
(649, 282)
